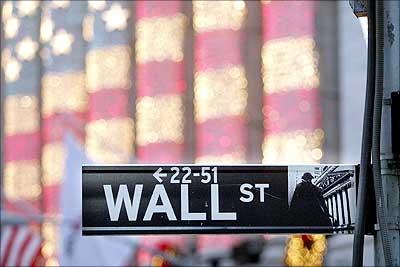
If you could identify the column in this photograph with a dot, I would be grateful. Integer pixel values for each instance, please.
(160, 90)
(109, 128)
(220, 84)
(220, 89)
(160, 81)
(64, 102)
(21, 69)
(292, 112)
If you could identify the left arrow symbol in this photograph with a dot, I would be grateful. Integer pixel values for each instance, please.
(158, 175)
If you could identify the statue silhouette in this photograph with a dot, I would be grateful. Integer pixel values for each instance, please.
(308, 207)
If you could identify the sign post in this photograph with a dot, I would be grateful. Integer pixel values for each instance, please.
(188, 199)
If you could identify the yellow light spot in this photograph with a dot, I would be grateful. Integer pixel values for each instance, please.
(49, 232)
(157, 261)
(62, 42)
(161, 38)
(299, 255)
(290, 64)
(53, 163)
(293, 147)
(48, 249)
(71, 85)
(27, 8)
(301, 140)
(237, 157)
(22, 178)
(159, 119)
(26, 49)
(213, 15)
(108, 67)
(316, 154)
(110, 141)
(319, 133)
(11, 27)
(116, 17)
(212, 99)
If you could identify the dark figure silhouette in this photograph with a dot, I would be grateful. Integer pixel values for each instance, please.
(308, 207)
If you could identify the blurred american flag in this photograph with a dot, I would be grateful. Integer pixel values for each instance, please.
(20, 246)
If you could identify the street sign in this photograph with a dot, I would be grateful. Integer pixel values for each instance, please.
(186, 199)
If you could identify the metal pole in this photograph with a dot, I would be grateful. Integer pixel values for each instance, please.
(390, 159)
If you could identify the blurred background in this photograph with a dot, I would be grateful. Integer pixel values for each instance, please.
(170, 82)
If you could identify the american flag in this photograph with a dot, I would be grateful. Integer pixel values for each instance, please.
(150, 81)
(20, 246)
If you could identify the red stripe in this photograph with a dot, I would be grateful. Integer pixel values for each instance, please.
(166, 152)
(221, 136)
(160, 78)
(218, 49)
(10, 243)
(283, 19)
(108, 103)
(23, 248)
(37, 257)
(57, 125)
(51, 198)
(13, 206)
(148, 9)
(22, 147)
(290, 111)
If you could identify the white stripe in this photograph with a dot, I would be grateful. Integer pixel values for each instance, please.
(22, 233)
(5, 236)
(31, 250)
(166, 228)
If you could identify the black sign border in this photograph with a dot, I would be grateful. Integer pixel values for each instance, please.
(123, 168)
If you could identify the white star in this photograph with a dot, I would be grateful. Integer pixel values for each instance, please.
(61, 42)
(27, 8)
(26, 49)
(96, 5)
(11, 27)
(12, 70)
(115, 18)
